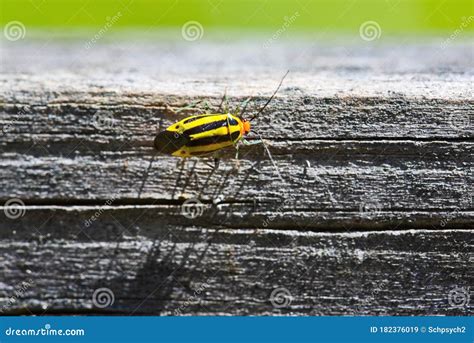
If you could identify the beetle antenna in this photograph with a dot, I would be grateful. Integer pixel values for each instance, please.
(246, 102)
(271, 98)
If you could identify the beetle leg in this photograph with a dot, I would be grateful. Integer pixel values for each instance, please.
(189, 106)
(179, 163)
(237, 161)
(246, 142)
(215, 165)
(207, 107)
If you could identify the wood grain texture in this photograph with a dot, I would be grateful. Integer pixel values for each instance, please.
(367, 208)
(170, 269)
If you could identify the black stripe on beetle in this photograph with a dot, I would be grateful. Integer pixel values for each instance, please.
(209, 126)
(213, 140)
(205, 127)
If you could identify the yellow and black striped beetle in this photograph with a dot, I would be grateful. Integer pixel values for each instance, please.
(201, 135)
(204, 134)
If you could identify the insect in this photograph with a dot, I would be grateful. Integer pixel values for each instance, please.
(205, 134)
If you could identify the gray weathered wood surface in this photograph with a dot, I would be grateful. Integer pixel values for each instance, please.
(372, 214)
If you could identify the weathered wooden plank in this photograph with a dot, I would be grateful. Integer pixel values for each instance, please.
(81, 110)
(413, 90)
(373, 215)
(399, 149)
(161, 269)
(334, 67)
(331, 176)
(53, 219)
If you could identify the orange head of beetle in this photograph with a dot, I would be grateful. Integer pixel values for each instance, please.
(245, 127)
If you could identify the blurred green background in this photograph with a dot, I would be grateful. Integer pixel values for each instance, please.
(394, 16)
